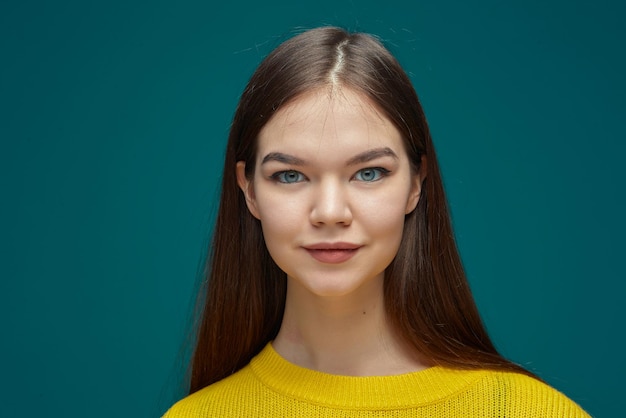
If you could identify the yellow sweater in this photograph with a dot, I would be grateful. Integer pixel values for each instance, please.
(270, 386)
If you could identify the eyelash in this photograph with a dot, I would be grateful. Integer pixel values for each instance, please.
(382, 172)
(279, 176)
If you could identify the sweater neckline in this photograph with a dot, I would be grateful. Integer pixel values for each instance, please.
(350, 392)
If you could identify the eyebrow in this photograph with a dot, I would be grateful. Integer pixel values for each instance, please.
(363, 157)
(372, 154)
(283, 158)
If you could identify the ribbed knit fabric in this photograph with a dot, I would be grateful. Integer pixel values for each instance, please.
(270, 386)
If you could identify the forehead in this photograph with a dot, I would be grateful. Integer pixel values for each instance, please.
(327, 123)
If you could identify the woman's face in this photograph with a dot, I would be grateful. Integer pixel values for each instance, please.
(331, 187)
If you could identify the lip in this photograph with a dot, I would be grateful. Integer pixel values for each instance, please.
(332, 253)
(332, 246)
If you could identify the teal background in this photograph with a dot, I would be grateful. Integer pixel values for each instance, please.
(114, 117)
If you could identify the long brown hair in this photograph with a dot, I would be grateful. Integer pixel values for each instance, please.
(427, 296)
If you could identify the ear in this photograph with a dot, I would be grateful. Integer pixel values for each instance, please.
(247, 187)
(416, 186)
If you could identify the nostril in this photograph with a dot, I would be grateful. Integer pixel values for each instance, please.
(331, 205)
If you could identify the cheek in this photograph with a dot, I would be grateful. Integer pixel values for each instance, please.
(383, 217)
(282, 223)
(385, 213)
(280, 218)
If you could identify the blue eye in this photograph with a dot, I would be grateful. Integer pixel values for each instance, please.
(370, 174)
(288, 177)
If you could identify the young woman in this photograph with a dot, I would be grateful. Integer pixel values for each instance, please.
(334, 286)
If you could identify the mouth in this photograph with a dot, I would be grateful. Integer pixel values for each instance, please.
(332, 253)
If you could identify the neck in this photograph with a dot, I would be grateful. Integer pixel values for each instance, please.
(343, 335)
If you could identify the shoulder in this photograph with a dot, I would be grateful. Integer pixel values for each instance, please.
(216, 399)
(518, 395)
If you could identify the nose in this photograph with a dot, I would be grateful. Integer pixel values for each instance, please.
(331, 205)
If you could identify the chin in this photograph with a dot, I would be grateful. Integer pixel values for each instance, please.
(337, 287)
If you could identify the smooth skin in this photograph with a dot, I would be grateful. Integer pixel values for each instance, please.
(331, 187)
